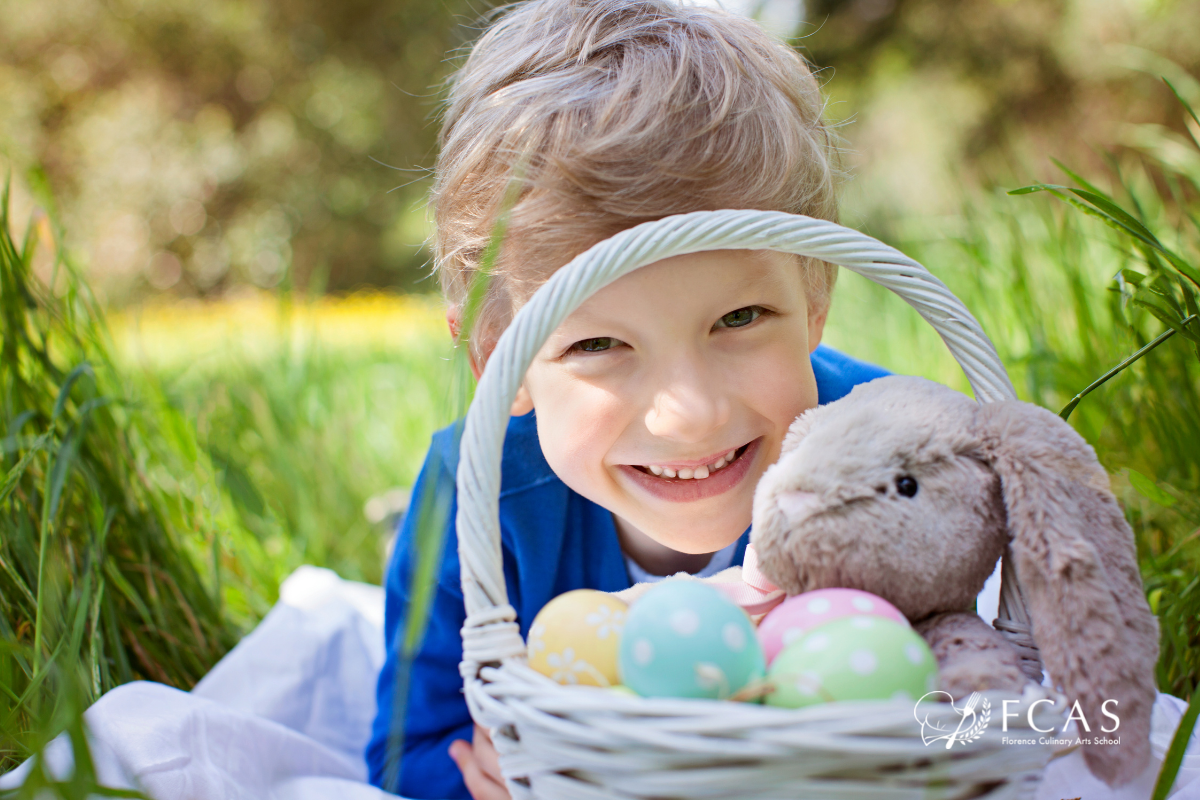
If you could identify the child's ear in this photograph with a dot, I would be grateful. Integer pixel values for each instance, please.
(522, 403)
(454, 320)
(816, 326)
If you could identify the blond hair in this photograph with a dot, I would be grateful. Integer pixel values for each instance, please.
(609, 113)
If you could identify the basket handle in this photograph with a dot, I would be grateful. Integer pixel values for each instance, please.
(490, 633)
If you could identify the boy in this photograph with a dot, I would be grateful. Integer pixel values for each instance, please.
(647, 418)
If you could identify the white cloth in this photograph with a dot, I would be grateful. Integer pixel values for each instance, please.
(284, 716)
(287, 714)
(1068, 777)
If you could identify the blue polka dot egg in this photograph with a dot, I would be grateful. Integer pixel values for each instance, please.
(686, 639)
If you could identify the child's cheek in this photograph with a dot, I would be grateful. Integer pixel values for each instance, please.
(779, 384)
(576, 429)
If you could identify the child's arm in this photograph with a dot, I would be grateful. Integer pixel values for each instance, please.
(432, 713)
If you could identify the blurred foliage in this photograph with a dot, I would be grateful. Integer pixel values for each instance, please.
(196, 147)
(939, 95)
(307, 425)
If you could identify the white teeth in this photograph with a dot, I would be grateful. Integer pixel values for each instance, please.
(694, 473)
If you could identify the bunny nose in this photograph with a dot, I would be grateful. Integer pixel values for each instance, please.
(798, 506)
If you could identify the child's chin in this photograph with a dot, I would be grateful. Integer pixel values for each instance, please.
(684, 543)
(703, 528)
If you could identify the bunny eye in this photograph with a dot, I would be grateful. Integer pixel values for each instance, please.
(906, 485)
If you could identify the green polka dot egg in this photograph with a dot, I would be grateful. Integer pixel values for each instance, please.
(686, 639)
(853, 658)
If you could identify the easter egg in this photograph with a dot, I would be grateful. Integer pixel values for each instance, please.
(853, 658)
(686, 639)
(574, 638)
(797, 615)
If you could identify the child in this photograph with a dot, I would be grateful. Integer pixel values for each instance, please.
(646, 420)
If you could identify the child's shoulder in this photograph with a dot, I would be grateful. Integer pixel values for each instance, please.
(838, 373)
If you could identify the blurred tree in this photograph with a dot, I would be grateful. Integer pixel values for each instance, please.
(982, 89)
(199, 146)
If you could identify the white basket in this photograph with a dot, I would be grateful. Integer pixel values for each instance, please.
(578, 743)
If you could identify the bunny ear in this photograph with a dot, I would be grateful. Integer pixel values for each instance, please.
(1077, 563)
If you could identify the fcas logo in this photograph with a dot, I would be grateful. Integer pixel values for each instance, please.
(974, 714)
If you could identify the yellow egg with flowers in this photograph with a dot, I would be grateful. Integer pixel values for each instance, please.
(576, 637)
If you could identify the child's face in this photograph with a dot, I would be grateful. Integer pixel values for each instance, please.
(666, 372)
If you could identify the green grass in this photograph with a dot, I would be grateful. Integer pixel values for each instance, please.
(106, 572)
(150, 509)
(305, 435)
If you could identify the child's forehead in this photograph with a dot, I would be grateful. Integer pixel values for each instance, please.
(727, 269)
(708, 278)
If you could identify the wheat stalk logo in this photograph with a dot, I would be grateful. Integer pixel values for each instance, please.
(975, 713)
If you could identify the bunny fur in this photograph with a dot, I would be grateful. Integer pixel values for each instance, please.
(989, 477)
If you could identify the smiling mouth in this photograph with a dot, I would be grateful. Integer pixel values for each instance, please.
(698, 473)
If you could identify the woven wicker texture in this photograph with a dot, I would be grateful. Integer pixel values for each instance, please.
(572, 742)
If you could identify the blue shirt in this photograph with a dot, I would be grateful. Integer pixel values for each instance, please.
(553, 540)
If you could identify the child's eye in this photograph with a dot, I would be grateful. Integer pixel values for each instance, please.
(740, 317)
(597, 345)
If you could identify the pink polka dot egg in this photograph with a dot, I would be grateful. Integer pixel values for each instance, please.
(798, 615)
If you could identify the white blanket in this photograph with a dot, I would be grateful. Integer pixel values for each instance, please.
(287, 714)
(284, 716)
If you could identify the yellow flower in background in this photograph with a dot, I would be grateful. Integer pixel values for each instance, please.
(256, 323)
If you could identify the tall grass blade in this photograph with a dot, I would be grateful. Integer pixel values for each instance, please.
(1099, 206)
(15, 474)
(1175, 753)
(1182, 102)
(1118, 369)
(64, 393)
(434, 506)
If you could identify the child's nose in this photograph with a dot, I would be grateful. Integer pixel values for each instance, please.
(689, 406)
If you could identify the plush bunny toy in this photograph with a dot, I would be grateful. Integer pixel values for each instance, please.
(912, 491)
